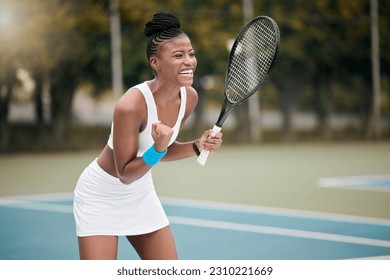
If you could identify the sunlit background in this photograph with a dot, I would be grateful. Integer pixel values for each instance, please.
(65, 63)
(312, 146)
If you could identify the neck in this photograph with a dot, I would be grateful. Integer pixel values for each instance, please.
(164, 93)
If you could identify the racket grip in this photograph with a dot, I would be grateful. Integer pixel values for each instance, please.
(202, 158)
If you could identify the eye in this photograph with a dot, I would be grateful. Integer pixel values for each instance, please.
(178, 55)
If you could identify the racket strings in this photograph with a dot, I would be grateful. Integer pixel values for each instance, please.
(251, 60)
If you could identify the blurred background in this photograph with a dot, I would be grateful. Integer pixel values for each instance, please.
(64, 63)
(312, 144)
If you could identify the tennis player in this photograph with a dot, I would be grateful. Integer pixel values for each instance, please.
(115, 195)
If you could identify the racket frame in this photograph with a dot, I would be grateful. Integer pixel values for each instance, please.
(227, 106)
(224, 113)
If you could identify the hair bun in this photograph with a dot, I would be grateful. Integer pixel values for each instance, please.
(161, 21)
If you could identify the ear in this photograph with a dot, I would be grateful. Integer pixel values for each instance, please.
(155, 63)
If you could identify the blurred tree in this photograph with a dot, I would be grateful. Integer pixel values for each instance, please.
(52, 39)
(8, 64)
(7, 81)
(324, 60)
(292, 70)
(326, 43)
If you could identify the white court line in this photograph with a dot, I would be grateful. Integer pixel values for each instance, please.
(39, 197)
(214, 205)
(374, 258)
(32, 202)
(243, 208)
(48, 207)
(221, 225)
(279, 231)
(379, 183)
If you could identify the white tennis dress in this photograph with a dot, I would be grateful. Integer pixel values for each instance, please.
(105, 206)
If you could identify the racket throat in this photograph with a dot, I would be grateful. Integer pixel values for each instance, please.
(224, 114)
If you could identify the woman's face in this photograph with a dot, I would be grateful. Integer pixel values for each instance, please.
(176, 61)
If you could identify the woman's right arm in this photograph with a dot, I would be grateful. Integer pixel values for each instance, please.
(129, 116)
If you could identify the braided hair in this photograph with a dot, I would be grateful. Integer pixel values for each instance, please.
(162, 27)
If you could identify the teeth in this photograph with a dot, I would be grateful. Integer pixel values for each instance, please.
(187, 72)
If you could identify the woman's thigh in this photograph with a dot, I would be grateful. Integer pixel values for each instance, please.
(98, 247)
(158, 245)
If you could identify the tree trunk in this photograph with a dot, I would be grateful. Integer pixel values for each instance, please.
(63, 84)
(5, 98)
(39, 99)
(323, 108)
(243, 134)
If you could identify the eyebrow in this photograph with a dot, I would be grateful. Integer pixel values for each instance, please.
(183, 51)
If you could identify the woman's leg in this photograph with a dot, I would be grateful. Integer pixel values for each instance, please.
(98, 247)
(158, 245)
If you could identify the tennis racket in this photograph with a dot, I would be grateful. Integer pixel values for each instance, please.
(251, 59)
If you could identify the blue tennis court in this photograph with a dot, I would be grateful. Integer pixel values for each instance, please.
(274, 202)
(42, 227)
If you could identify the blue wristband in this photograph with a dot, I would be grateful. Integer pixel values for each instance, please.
(152, 157)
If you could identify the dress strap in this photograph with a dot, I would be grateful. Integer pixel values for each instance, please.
(182, 110)
(151, 105)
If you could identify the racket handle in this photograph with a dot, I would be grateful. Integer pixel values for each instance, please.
(202, 158)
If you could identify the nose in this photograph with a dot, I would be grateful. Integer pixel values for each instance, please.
(190, 60)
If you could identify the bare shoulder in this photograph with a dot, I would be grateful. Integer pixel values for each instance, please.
(192, 96)
(131, 106)
(132, 100)
(191, 92)
(192, 100)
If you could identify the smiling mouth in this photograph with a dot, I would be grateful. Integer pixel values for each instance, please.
(187, 72)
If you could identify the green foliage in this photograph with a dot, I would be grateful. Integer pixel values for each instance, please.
(325, 44)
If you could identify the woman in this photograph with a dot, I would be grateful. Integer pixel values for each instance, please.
(115, 195)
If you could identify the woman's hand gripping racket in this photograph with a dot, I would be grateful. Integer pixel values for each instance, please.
(251, 59)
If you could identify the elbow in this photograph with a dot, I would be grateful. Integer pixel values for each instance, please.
(125, 179)
(129, 175)
(124, 176)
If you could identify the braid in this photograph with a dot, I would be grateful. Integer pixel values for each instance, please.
(162, 27)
